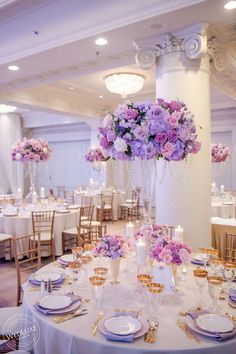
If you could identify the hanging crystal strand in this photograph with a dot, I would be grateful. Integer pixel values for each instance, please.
(183, 170)
(147, 183)
(163, 172)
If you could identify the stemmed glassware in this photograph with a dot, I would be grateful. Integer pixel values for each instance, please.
(229, 272)
(97, 287)
(101, 272)
(143, 281)
(215, 289)
(155, 290)
(75, 268)
(200, 276)
(77, 253)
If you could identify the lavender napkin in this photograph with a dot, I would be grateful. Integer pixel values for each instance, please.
(75, 300)
(198, 262)
(190, 320)
(232, 294)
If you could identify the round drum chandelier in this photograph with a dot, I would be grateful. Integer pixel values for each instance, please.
(124, 84)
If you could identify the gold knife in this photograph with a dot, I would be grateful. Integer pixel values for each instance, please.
(77, 313)
(95, 325)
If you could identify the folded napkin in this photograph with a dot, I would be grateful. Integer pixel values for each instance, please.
(198, 262)
(214, 335)
(232, 294)
(74, 299)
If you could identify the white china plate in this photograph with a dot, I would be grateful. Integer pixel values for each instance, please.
(47, 275)
(214, 323)
(122, 325)
(62, 211)
(10, 214)
(73, 206)
(67, 258)
(140, 333)
(198, 257)
(55, 302)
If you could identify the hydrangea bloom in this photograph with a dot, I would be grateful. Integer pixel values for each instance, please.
(35, 150)
(219, 152)
(149, 130)
(94, 155)
(171, 251)
(113, 246)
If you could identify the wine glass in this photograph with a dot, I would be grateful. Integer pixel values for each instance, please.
(215, 289)
(229, 272)
(155, 290)
(77, 252)
(143, 281)
(200, 277)
(97, 287)
(205, 256)
(101, 271)
(216, 265)
(75, 268)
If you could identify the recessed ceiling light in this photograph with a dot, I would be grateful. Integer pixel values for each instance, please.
(5, 108)
(230, 5)
(101, 41)
(13, 67)
(71, 88)
(101, 96)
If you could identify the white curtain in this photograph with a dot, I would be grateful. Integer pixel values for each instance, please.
(11, 172)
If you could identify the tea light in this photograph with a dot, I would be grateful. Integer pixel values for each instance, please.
(222, 188)
(179, 233)
(141, 252)
(42, 192)
(129, 230)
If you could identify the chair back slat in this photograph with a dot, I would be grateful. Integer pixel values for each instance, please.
(43, 221)
(86, 200)
(70, 197)
(61, 191)
(230, 247)
(86, 212)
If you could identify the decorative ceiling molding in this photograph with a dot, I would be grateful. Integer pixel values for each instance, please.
(90, 66)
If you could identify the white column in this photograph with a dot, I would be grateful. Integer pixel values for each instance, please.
(184, 196)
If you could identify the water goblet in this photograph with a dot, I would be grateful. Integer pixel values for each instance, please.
(216, 265)
(75, 268)
(205, 256)
(200, 277)
(229, 272)
(143, 281)
(155, 290)
(86, 260)
(101, 271)
(215, 289)
(77, 252)
(97, 287)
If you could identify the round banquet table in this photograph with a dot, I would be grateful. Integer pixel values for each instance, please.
(21, 225)
(74, 336)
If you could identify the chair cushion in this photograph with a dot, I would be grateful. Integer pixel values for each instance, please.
(84, 218)
(129, 206)
(95, 223)
(105, 207)
(71, 231)
(5, 237)
(44, 236)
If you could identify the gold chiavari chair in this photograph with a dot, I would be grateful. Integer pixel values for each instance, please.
(27, 253)
(70, 197)
(51, 192)
(43, 222)
(61, 191)
(131, 208)
(70, 236)
(90, 235)
(86, 200)
(230, 247)
(6, 242)
(106, 207)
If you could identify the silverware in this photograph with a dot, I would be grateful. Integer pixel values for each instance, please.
(69, 316)
(150, 336)
(182, 324)
(185, 313)
(95, 325)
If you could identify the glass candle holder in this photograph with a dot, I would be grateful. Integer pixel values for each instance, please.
(215, 288)
(97, 287)
(200, 277)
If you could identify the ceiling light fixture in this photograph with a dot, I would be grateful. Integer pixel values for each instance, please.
(5, 108)
(13, 67)
(101, 41)
(101, 96)
(230, 5)
(124, 84)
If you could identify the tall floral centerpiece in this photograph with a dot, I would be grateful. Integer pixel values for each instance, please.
(96, 157)
(219, 153)
(147, 131)
(114, 247)
(31, 152)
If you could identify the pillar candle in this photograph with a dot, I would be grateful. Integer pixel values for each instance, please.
(141, 252)
(42, 192)
(179, 233)
(34, 198)
(19, 193)
(129, 230)
(222, 188)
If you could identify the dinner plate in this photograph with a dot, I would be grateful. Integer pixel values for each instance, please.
(198, 257)
(62, 211)
(55, 302)
(122, 325)
(73, 206)
(141, 332)
(46, 276)
(214, 323)
(67, 258)
(10, 214)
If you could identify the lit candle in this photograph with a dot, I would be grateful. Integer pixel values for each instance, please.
(141, 252)
(222, 188)
(179, 233)
(129, 230)
(34, 197)
(19, 193)
(42, 192)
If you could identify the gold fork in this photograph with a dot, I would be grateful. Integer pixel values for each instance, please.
(69, 316)
(186, 330)
(95, 325)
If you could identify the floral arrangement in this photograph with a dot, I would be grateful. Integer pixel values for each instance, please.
(146, 130)
(95, 155)
(171, 251)
(219, 152)
(157, 231)
(31, 150)
(113, 246)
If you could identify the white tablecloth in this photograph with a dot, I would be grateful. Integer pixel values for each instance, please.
(96, 200)
(74, 336)
(22, 225)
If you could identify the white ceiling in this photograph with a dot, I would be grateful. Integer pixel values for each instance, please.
(64, 55)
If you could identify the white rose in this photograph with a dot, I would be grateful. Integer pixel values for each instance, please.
(18, 156)
(107, 121)
(45, 150)
(120, 145)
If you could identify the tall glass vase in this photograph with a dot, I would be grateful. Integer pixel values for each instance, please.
(32, 173)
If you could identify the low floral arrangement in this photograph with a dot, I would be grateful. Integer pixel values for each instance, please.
(157, 231)
(146, 130)
(219, 152)
(27, 150)
(113, 246)
(171, 251)
(95, 155)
